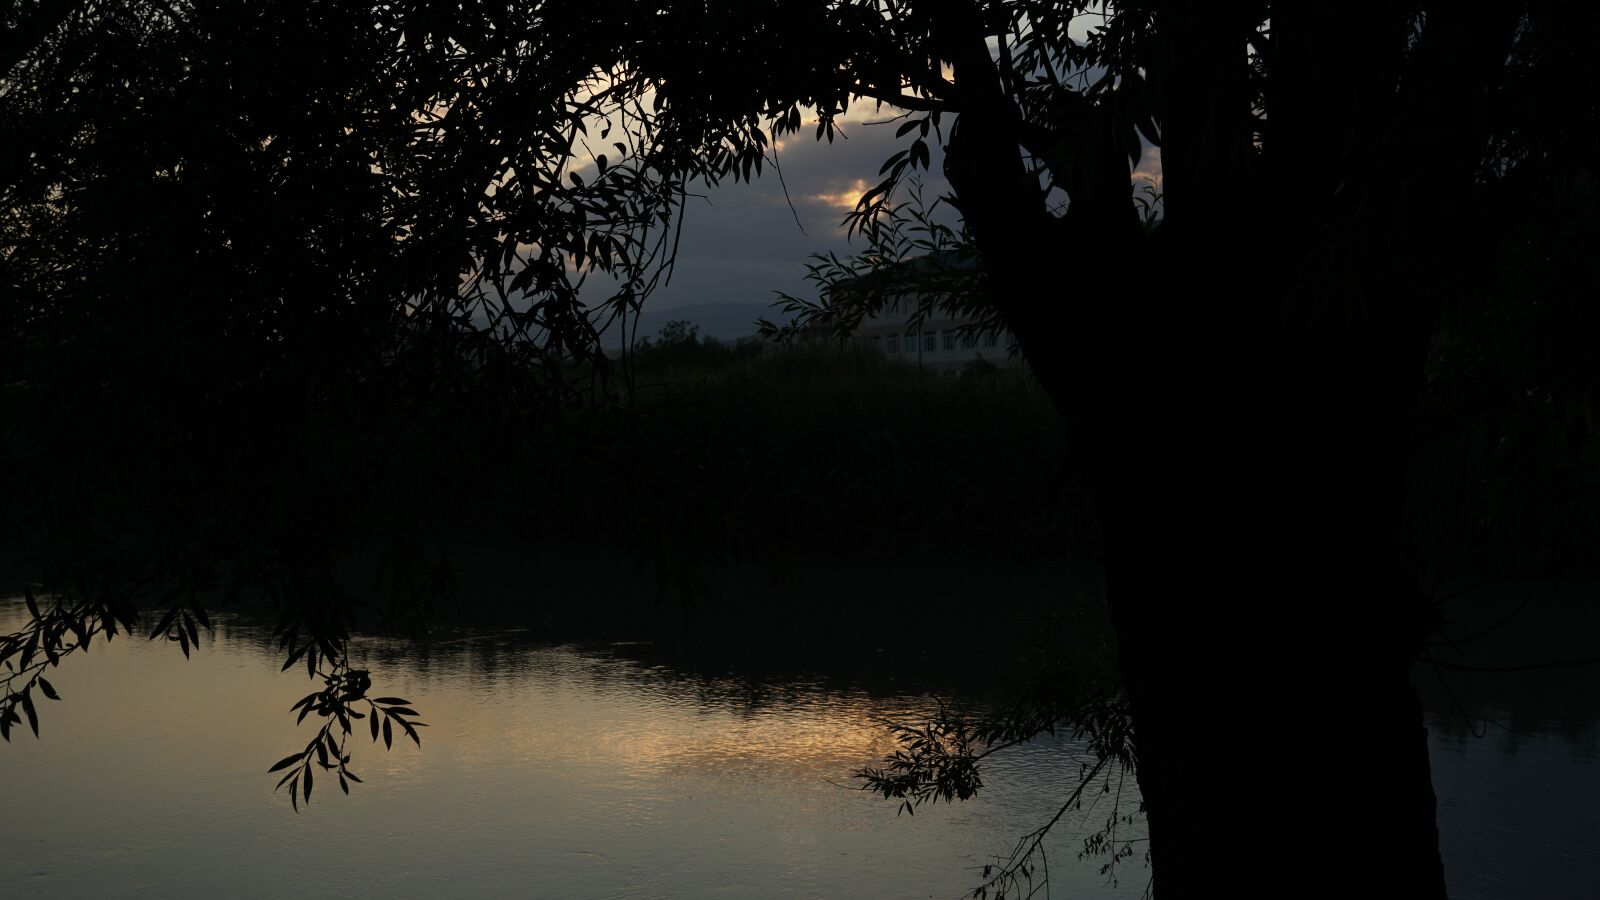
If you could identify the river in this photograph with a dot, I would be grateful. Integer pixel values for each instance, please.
(595, 769)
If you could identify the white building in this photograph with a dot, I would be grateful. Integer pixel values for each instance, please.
(944, 341)
(939, 344)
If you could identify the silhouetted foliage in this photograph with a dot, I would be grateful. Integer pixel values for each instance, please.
(251, 309)
(679, 346)
(344, 688)
(256, 312)
(1267, 313)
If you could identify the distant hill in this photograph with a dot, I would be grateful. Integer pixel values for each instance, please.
(723, 321)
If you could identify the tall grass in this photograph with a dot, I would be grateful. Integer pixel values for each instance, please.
(828, 450)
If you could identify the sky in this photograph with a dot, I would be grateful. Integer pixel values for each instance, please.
(741, 242)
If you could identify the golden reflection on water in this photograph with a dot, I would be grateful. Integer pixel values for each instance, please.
(546, 771)
(560, 706)
(822, 741)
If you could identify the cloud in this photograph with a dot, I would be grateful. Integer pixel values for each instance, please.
(741, 242)
(1149, 169)
(846, 199)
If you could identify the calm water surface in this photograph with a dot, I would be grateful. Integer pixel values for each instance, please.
(591, 771)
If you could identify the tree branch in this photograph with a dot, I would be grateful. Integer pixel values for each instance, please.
(1526, 667)
(902, 100)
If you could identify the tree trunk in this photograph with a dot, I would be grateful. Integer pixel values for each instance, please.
(1266, 642)
(1238, 385)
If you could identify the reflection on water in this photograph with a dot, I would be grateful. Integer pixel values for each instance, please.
(549, 771)
(598, 772)
(1514, 753)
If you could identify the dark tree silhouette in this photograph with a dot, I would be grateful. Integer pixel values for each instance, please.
(215, 210)
(271, 272)
(1242, 377)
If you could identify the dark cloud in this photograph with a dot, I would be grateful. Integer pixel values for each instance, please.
(742, 242)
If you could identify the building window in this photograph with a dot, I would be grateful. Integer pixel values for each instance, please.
(930, 341)
(969, 340)
(911, 342)
(990, 338)
(950, 340)
(894, 343)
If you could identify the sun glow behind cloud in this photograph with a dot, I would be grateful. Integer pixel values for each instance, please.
(1148, 172)
(843, 199)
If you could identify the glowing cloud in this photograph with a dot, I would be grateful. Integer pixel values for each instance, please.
(844, 199)
(1149, 168)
